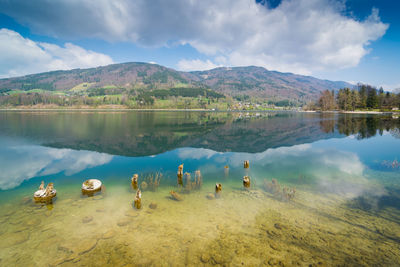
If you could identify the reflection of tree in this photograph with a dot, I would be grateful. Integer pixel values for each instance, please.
(395, 133)
(327, 122)
(365, 126)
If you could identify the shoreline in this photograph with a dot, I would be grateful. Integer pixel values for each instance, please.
(359, 112)
(121, 109)
(142, 109)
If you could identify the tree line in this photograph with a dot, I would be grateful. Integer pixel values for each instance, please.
(112, 96)
(361, 97)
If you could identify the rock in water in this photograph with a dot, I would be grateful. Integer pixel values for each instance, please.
(123, 222)
(153, 205)
(86, 246)
(205, 258)
(176, 196)
(210, 196)
(87, 219)
(33, 222)
(12, 239)
(108, 234)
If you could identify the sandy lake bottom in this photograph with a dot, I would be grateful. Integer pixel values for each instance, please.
(242, 227)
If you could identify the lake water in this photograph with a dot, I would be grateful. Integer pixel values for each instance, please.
(344, 168)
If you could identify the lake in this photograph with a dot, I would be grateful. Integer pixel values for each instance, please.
(324, 189)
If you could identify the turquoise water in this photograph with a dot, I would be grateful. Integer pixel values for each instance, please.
(346, 209)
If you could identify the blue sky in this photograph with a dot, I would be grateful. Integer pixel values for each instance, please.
(353, 40)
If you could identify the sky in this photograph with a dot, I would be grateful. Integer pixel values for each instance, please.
(347, 40)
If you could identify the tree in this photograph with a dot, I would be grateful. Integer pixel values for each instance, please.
(362, 92)
(372, 98)
(327, 100)
(381, 98)
(355, 99)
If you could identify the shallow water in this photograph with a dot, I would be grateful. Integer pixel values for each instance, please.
(346, 209)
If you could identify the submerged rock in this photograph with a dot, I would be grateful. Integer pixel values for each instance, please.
(218, 258)
(64, 249)
(87, 219)
(48, 213)
(9, 212)
(123, 222)
(205, 258)
(131, 213)
(62, 259)
(176, 196)
(85, 246)
(210, 196)
(97, 197)
(274, 246)
(33, 222)
(109, 234)
(26, 200)
(12, 239)
(153, 205)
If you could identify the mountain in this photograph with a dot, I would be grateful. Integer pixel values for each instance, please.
(259, 82)
(236, 81)
(129, 75)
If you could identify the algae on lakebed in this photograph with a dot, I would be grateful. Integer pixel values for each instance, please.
(241, 227)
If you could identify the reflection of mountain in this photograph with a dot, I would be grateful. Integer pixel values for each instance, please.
(150, 133)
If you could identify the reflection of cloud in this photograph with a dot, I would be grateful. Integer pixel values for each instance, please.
(19, 163)
(196, 153)
(328, 170)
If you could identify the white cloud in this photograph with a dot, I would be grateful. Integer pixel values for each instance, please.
(391, 87)
(300, 36)
(196, 64)
(23, 162)
(352, 82)
(20, 56)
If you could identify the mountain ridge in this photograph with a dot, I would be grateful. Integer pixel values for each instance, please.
(252, 81)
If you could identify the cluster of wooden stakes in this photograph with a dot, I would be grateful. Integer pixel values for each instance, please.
(188, 185)
(91, 186)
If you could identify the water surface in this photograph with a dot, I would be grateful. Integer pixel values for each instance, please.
(346, 209)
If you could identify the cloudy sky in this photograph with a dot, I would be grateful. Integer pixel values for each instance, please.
(353, 40)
